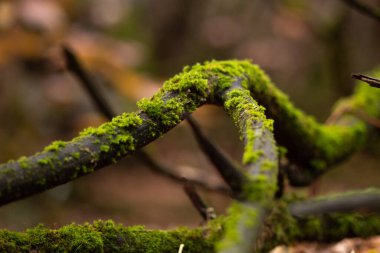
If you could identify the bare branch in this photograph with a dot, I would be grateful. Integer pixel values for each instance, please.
(364, 9)
(373, 82)
(193, 176)
(229, 172)
(73, 65)
(205, 211)
(348, 202)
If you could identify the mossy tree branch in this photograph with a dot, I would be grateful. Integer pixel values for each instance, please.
(74, 65)
(236, 85)
(106, 236)
(311, 145)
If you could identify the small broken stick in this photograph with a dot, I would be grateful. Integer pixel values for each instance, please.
(373, 82)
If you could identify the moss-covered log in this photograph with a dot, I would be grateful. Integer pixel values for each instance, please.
(106, 236)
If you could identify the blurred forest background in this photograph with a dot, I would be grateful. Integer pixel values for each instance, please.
(308, 48)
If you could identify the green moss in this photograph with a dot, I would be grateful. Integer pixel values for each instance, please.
(76, 155)
(261, 187)
(104, 148)
(152, 107)
(24, 162)
(44, 161)
(86, 169)
(105, 236)
(256, 130)
(321, 145)
(282, 151)
(167, 112)
(40, 181)
(239, 104)
(239, 226)
(125, 121)
(55, 146)
(366, 98)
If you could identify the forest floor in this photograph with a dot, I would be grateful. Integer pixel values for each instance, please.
(354, 245)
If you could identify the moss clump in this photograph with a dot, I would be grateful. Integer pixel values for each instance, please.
(105, 236)
(104, 148)
(76, 155)
(24, 162)
(260, 188)
(167, 112)
(55, 146)
(186, 91)
(46, 161)
(249, 116)
(125, 121)
(259, 148)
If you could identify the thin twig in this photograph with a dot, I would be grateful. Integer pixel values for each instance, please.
(206, 212)
(375, 122)
(373, 82)
(367, 200)
(364, 9)
(336, 115)
(193, 177)
(74, 66)
(231, 175)
(280, 184)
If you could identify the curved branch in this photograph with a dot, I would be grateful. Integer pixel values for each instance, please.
(76, 68)
(62, 162)
(310, 144)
